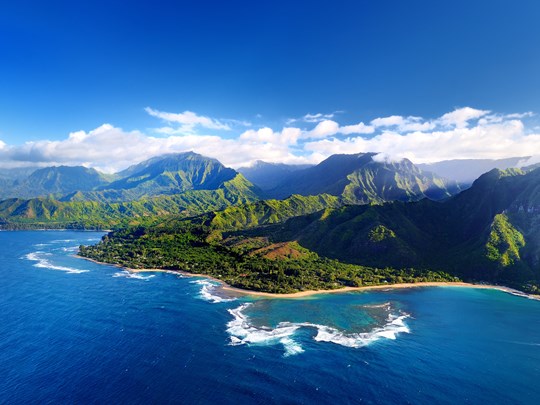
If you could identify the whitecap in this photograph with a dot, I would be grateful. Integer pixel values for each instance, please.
(208, 292)
(394, 326)
(291, 347)
(128, 274)
(242, 331)
(70, 249)
(63, 241)
(42, 262)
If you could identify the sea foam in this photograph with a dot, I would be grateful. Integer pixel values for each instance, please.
(42, 262)
(208, 292)
(242, 331)
(137, 276)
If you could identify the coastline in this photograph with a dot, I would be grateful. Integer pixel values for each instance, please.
(302, 294)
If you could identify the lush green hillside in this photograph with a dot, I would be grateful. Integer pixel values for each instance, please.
(359, 179)
(488, 232)
(256, 263)
(265, 212)
(50, 213)
(164, 175)
(54, 180)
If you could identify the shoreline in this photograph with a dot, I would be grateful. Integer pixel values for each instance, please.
(302, 294)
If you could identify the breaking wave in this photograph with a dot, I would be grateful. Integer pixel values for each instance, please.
(242, 331)
(208, 292)
(128, 274)
(42, 262)
(390, 330)
(63, 241)
(70, 249)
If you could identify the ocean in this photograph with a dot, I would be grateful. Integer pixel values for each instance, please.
(73, 331)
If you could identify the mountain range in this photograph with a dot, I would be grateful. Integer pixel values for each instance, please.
(269, 175)
(350, 208)
(359, 179)
(465, 171)
(189, 183)
(489, 232)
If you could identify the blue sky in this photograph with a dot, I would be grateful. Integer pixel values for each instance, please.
(72, 66)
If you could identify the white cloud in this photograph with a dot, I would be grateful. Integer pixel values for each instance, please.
(359, 128)
(313, 118)
(110, 149)
(460, 134)
(385, 158)
(323, 129)
(403, 124)
(188, 120)
(328, 128)
(388, 121)
(317, 117)
(492, 141)
(533, 160)
(460, 117)
(288, 136)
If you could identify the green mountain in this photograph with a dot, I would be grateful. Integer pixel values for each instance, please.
(359, 179)
(76, 211)
(163, 175)
(54, 180)
(166, 175)
(489, 232)
(268, 176)
(264, 212)
(253, 263)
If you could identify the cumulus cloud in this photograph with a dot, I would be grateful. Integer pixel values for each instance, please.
(533, 160)
(403, 124)
(359, 128)
(460, 134)
(110, 149)
(328, 128)
(323, 129)
(288, 136)
(188, 120)
(312, 118)
(460, 117)
(492, 141)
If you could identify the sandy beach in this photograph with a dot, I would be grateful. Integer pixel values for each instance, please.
(301, 294)
(308, 293)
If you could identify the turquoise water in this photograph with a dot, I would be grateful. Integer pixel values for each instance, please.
(78, 332)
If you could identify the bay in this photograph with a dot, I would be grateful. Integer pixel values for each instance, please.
(76, 331)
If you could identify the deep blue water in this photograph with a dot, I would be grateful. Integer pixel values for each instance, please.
(78, 332)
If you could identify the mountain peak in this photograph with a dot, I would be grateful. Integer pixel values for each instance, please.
(360, 179)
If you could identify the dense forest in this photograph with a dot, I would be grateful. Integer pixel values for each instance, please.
(250, 263)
